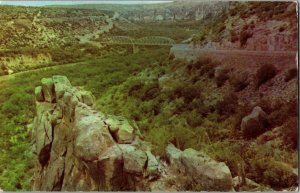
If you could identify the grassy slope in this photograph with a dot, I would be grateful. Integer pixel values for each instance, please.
(181, 103)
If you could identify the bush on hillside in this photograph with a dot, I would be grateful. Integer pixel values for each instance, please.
(222, 77)
(150, 92)
(290, 132)
(291, 74)
(265, 73)
(194, 119)
(188, 92)
(201, 62)
(135, 89)
(228, 105)
(269, 171)
(239, 81)
(281, 112)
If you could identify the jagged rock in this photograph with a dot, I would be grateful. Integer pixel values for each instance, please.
(39, 94)
(121, 129)
(87, 97)
(211, 175)
(250, 185)
(61, 83)
(48, 89)
(254, 124)
(42, 129)
(134, 161)
(152, 166)
(93, 136)
(75, 148)
(80, 149)
(111, 165)
(173, 155)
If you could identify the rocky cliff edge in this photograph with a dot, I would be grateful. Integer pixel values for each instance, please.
(80, 149)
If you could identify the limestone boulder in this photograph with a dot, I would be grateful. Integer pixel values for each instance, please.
(39, 94)
(173, 155)
(48, 89)
(92, 135)
(152, 166)
(110, 167)
(208, 173)
(87, 97)
(135, 162)
(249, 185)
(61, 85)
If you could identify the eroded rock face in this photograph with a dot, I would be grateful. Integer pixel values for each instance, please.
(80, 149)
(211, 175)
(207, 173)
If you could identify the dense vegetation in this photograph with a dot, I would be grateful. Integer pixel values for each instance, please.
(171, 101)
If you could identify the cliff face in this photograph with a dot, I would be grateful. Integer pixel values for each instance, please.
(80, 149)
(178, 10)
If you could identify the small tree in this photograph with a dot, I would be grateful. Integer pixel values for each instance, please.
(265, 73)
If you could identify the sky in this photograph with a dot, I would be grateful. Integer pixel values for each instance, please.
(68, 2)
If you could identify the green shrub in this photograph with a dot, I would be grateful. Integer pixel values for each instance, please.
(135, 89)
(281, 112)
(239, 81)
(228, 105)
(209, 70)
(188, 92)
(290, 132)
(272, 172)
(291, 74)
(222, 77)
(159, 137)
(225, 151)
(194, 119)
(201, 62)
(150, 91)
(265, 73)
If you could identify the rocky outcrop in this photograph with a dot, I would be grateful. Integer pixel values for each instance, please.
(203, 171)
(80, 149)
(249, 185)
(177, 10)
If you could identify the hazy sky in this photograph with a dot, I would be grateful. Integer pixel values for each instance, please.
(68, 2)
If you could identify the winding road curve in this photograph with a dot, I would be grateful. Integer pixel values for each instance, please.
(87, 38)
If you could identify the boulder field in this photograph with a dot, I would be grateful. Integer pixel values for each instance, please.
(80, 149)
